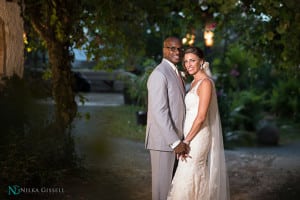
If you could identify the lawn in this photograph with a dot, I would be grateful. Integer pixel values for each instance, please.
(121, 122)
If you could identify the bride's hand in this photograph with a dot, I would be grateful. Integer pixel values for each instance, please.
(183, 156)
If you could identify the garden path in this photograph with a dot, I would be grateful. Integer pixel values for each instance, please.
(120, 169)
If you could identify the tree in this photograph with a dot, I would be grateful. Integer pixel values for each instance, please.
(120, 34)
(269, 28)
(57, 22)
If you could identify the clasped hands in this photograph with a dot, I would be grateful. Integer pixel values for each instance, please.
(182, 151)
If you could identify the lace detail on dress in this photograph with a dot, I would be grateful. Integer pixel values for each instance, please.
(192, 180)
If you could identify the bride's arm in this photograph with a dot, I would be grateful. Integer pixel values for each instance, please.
(204, 93)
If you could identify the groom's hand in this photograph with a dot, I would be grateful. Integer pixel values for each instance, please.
(181, 148)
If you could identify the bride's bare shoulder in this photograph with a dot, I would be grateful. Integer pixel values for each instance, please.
(207, 82)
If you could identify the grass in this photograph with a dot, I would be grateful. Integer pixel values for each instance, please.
(119, 121)
(289, 131)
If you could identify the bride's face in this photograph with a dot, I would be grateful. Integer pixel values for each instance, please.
(192, 63)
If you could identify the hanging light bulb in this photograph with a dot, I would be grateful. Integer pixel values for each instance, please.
(208, 37)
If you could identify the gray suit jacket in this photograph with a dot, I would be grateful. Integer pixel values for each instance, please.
(166, 108)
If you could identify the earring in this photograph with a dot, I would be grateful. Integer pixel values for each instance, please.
(201, 66)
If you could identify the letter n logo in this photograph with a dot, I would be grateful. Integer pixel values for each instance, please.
(14, 190)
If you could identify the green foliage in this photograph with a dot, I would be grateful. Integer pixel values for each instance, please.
(119, 33)
(238, 71)
(265, 27)
(250, 90)
(57, 23)
(139, 88)
(136, 85)
(38, 83)
(246, 110)
(105, 29)
(38, 157)
(33, 152)
(285, 99)
(240, 113)
(253, 41)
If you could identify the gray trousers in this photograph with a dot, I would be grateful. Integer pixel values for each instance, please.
(162, 164)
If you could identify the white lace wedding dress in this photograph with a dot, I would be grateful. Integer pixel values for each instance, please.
(203, 176)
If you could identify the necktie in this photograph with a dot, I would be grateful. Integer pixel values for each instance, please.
(179, 77)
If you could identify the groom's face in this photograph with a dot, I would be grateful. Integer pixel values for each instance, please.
(172, 50)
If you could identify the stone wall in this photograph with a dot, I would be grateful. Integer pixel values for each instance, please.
(11, 39)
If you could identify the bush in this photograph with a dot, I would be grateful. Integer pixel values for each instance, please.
(246, 110)
(285, 99)
(136, 88)
(32, 151)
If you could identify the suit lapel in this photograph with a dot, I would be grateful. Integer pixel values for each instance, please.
(168, 69)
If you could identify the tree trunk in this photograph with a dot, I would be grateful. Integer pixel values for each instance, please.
(62, 78)
(55, 21)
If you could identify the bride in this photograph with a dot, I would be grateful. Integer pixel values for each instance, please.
(201, 175)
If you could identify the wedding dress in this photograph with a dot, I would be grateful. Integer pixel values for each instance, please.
(203, 176)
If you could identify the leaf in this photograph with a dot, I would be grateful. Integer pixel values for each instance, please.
(282, 28)
(270, 35)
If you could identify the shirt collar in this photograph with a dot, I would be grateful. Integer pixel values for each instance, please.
(172, 65)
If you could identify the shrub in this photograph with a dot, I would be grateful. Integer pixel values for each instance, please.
(136, 87)
(32, 151)
(285, 99)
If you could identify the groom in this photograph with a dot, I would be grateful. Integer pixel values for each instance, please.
(166, 112)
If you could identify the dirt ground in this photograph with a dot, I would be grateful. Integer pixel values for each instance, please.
(119, 169)
(122, 171)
